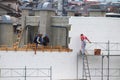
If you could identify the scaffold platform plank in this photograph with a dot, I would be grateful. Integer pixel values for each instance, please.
(32, 47)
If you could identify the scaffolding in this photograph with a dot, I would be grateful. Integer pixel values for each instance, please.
(86, 70)
(26, 73)
(107, 48)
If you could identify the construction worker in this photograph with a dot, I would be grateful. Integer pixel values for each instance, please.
(38, 39)
(83, 42)
(45, 40)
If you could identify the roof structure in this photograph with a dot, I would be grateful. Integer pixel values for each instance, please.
(10, 11)
(7, 0)
(7, 8)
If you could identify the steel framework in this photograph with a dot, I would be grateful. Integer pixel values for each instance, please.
(107, 50)
(24, 73)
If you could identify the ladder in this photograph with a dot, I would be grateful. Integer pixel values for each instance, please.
(19, 36)
(86, 70)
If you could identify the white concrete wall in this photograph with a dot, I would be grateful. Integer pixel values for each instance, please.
(97, 29)
(64, 64)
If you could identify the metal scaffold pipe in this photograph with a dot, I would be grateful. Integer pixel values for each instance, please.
(108, 58)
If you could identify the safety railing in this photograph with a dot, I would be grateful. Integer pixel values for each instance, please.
(97, 72)
(103, 46)
(26, 73)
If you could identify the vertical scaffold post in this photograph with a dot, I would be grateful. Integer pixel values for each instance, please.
(108, 59)
(25, 72)
(51, 73)
(102, 67)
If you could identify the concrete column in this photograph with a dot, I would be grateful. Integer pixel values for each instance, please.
(60, 30)
(6, 34)
(60, 7)
(70, 13)
(45, 21)
(25, 12)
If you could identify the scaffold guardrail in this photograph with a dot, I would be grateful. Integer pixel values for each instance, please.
(114, 46)
(24, 73)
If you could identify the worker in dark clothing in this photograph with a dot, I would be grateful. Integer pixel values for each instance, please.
(38, 39)
(45, 40)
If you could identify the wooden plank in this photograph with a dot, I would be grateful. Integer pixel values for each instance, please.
(32, 47)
